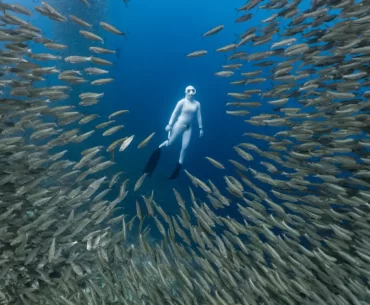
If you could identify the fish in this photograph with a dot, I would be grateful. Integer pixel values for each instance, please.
(110, 28)
(87, 95)
(91, 36)
(139, 182)
(49, 11)
(214, 30)
(78, 59)
(126, 143)
(101, 50)
(224, 73)
(244, 18)
(112, 130)
(227, 48)
(44, 56)
(119, 112)
(95, 71)
(55, 46)
(215, 163)
(102, 81)
(197, 53)
(79, 21)
(232, 66)
(101, 61)
(145, 142)
(104, 124)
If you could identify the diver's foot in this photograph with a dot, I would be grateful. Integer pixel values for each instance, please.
(176, 172)
(152, 162)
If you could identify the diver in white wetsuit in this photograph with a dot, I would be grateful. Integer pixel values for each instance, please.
(180, 124)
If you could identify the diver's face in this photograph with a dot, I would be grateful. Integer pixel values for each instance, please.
(190, 92)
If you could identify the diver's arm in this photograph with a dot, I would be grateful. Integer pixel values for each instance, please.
(200, 122)
(175, 113)
(199, 117)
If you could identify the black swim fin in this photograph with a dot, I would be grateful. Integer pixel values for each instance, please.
(152, 162)
(176, 172)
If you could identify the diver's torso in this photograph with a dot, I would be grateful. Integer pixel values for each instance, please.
(188, 111)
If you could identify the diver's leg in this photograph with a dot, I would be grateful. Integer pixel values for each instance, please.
(177, 129)
(154, 158)
(165, 143)
(186, 136)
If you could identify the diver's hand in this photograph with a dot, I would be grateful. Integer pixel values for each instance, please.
(200, 132)
(168, 128)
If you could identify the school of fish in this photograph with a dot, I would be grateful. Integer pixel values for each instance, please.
(302, 235)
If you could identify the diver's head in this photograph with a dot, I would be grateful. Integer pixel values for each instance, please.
(190, 92)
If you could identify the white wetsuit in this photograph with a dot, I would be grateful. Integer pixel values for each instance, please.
(183, 115)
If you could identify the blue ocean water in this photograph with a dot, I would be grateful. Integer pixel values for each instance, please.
(151, 71)
(151, 75)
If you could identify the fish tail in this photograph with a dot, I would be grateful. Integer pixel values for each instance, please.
(125, 35)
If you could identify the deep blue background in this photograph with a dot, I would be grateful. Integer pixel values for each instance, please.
(151, 71)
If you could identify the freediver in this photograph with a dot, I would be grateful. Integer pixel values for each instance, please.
(180, 124)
